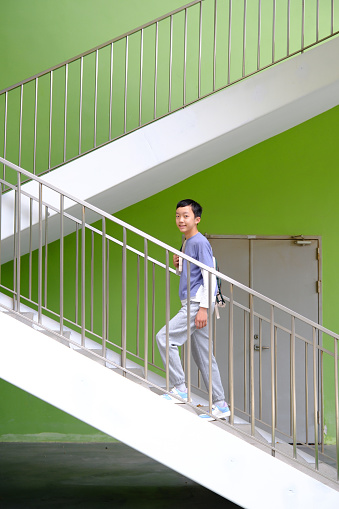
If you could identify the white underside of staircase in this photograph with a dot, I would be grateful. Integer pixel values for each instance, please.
(178, 146)
(209, 454)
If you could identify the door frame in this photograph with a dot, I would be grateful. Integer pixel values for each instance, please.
(296, 239)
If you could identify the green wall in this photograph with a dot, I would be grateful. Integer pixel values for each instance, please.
(287, 185)
(284, 186)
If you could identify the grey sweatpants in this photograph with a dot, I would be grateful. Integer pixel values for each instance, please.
(199, 347)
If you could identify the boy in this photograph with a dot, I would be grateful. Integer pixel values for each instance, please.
(188, 215)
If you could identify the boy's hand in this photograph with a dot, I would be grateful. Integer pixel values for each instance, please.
(201, 318)
(176, 261)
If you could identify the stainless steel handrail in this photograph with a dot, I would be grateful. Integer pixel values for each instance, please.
(68, 82)
(99, 257)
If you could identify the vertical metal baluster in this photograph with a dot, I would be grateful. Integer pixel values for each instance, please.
(111, 94)
(276, 371)
(200, 42)
(332, 17)
(30, 249)
(40, 258)
(245, 362)
(294, 405)
(303, 25)
(244, 40)
(46, 249)
(273, 31)
(306, 390)
(126, 81)
(104, 287)
(0, 226)
(83, 277)
(35, 124)
(215, 43)
(153, 313)
(123, 302)
(315, 400)
(185, 59)
(5, 133)
(259, 36)
(145, 308)
(273, 400)
(20, 123)
(170, 66)
(336, 389)
(260, 368)
(288, 26)
(50, 119)
(210, 343)
(92, 280)
(229, 41)
(18, 267)
(141, 71)
(189, 374)
(317, 22)
(107, 290)
(15, 247)
(96, 97)
(251, 343)
(61, 264)
(76, 273)
(167, 318)
(138, 305)
(156, 70)
(80, 101)
(231, 355)
(322, 399)
(65, 111)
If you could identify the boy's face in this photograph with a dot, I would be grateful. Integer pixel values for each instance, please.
(186, 222)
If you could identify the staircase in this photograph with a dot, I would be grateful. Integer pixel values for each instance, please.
(83, 310)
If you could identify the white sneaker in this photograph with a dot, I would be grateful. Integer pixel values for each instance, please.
(182, 395)
(221, 412)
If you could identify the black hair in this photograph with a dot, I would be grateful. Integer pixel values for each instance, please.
(196, 207)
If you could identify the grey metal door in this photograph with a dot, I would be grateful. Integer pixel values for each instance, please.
(286, 270)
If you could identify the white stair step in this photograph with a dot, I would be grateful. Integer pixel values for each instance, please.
(54, 335)
(23, 317)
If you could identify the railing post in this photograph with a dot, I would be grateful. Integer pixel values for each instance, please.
(231, 355)
(80, 101)
(18, 246)
(145, 308)
(65, 111)
(141, 71)
(293, 389)
(251, 354)
(315, 398)
(83, 278)
(167, 318)
(104, 287)
(210, 342)
(61, 264)
(40, 258)
(50, 119)
(35, 124)
(123, 302)
(46, 253)
(188, 355)
(273, 400)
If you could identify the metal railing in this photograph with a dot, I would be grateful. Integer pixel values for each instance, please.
(152, 71)
(112, 283)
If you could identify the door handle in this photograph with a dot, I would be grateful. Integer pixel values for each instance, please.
(257, 347)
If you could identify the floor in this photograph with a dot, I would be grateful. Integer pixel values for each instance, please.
(94, 476)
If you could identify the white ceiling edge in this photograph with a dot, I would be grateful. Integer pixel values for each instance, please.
(197, 137)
